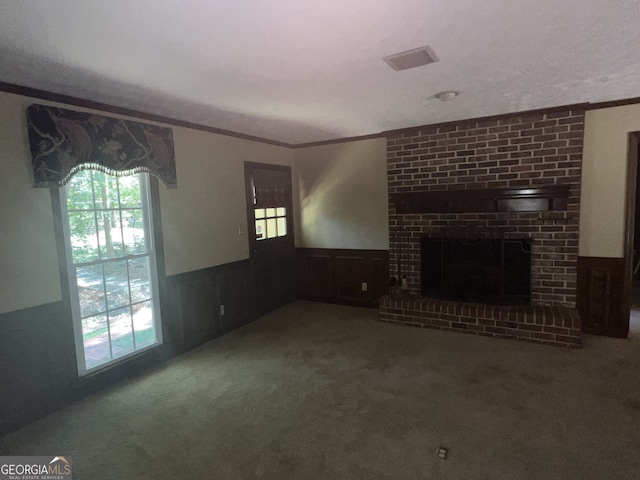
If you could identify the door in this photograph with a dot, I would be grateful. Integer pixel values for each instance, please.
(270, 229)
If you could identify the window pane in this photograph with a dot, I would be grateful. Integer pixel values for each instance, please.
(107, 220)
(259, 212)
(271, 212)
(261, 229)
(117, 283)
(82, 193)
(282, 227)
(139, 279)
(130, 191)
(105, 188)
(95, 337)
(133, 230)
(90, 290)
(271, 228)
(121, 331)
(282, 211)
(143, 328)
(84, 241)
(110, 234)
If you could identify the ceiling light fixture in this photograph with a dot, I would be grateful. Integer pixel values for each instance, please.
(447, 96)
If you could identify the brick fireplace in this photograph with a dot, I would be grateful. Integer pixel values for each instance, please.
(512, 177)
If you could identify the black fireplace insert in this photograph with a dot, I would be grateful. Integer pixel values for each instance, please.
(482, 270)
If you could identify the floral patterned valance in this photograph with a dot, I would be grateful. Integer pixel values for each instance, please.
(64, 142)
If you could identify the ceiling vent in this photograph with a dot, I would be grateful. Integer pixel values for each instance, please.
(411, 58)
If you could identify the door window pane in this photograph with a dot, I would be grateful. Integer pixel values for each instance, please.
(271, 228)
(261, 229)
(282, 227)
(271, 222)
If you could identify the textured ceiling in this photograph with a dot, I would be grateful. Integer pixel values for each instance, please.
(298, 72)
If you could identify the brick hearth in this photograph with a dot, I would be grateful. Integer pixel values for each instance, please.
(519, 151)
(538, 324)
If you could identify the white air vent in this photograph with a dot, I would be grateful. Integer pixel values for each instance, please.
(411, 58)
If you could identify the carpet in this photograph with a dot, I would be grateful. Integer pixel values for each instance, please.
(317, 391)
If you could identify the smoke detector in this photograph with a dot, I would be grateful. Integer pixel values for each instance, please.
(411, 58)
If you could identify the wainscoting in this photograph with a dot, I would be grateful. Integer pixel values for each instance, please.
(602, 301)
(337, 276)
(196, 299)
(38, 372)
(37, 358)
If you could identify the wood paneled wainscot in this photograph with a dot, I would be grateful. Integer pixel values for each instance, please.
(601, 299)
(349, 277)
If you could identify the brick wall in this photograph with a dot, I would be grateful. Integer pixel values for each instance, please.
(518, 151)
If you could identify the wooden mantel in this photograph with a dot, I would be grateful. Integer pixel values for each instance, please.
(486, 200)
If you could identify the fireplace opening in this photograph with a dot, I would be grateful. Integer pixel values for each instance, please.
(482, 270)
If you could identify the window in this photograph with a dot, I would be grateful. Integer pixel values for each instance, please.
(112, 267)
(271, 222)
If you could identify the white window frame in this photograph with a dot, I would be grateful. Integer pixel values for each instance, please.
(147, 213)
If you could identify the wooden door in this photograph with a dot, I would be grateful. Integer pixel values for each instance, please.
(270, 230)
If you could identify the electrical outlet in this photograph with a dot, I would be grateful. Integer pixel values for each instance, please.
(221, 310)
(443, 452)
(365, 287)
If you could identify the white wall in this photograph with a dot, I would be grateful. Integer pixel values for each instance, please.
(342, 190)
(604, 180)
(200, 218)
(28, 260)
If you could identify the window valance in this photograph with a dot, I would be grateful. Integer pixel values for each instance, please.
(64, 142)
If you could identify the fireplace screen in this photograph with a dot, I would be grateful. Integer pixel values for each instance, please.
(484, 270)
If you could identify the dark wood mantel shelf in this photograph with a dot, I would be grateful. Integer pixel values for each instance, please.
(487, 200)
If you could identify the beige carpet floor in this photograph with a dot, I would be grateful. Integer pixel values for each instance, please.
(316, 391)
